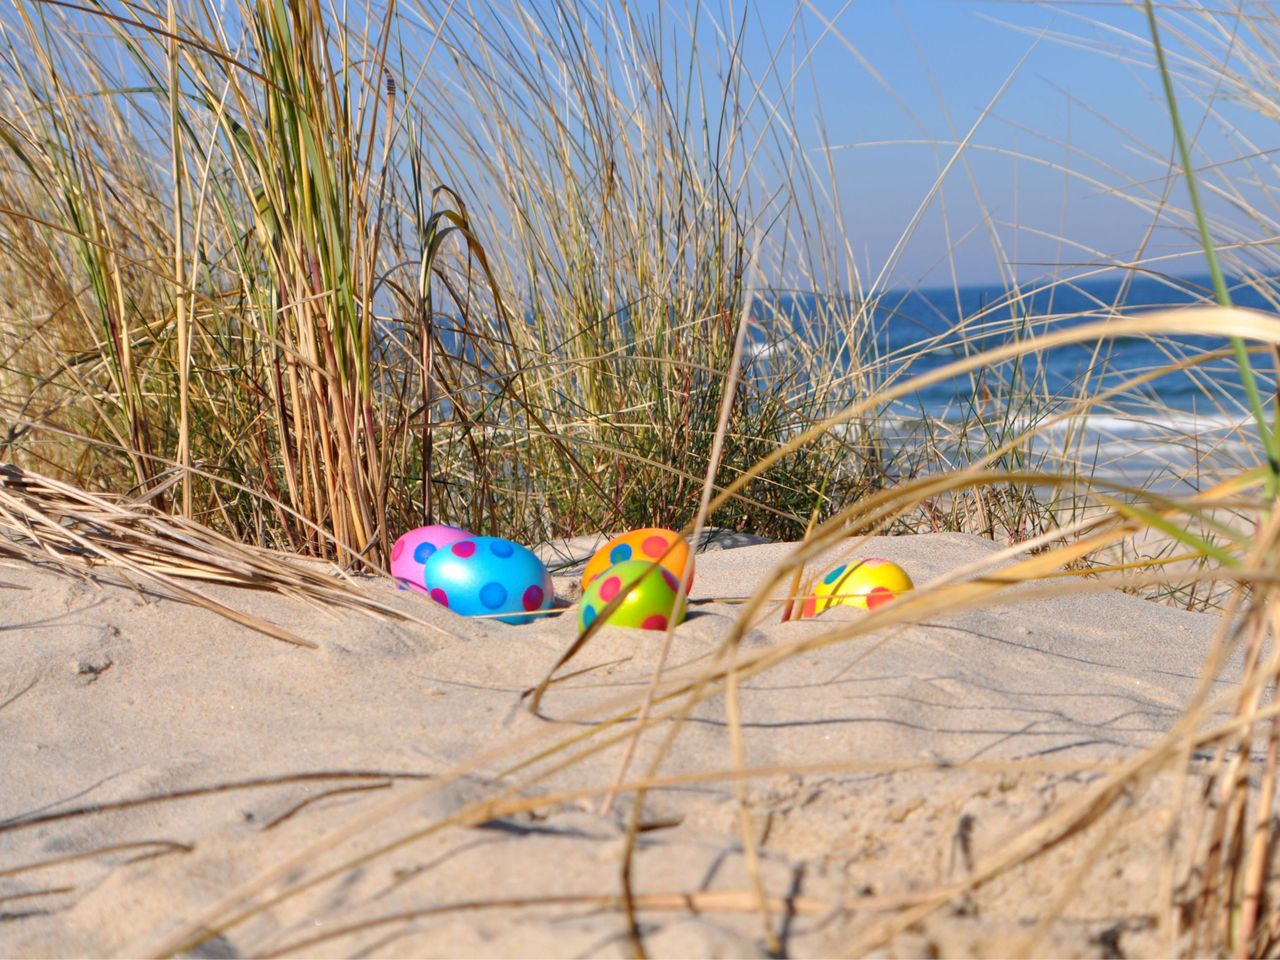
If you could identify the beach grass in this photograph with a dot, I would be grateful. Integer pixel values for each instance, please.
(288, 285)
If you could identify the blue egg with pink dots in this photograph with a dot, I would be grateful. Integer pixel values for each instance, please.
(489, 576)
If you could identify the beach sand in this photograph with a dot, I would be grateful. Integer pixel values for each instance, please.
(163, 767)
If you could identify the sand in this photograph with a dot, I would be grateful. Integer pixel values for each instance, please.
(156, 759)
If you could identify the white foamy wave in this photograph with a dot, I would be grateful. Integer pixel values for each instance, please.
(1174, 451)
(1137, 425)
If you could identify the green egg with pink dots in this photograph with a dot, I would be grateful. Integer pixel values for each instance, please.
(650, 604)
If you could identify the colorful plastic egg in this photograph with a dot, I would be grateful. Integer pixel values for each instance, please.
(650, 604)
(414, 548)
(485, 576)
(647, 544)
(866, 584)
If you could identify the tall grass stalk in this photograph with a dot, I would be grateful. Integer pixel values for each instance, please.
(1270, 440)
(179, 275)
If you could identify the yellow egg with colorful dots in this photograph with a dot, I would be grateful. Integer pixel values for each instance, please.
(667, 547)
(866, 584)
(650, 602)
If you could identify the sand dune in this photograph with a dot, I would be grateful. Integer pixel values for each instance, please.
(156, 758)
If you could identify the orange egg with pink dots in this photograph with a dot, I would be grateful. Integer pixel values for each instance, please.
(651, 597)
(666, 547)
(866, 584)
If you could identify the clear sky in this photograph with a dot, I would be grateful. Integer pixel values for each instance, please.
(1068, 167)
(1082, 95)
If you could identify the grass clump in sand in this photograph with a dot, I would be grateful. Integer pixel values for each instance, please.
(544, 337)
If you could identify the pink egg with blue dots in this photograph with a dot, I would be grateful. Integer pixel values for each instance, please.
(488, 576)
(415, 548)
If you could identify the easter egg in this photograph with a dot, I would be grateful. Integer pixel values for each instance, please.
(414, 548)
(647, 544)
(867, 584)
(649, 605)
(481, 576)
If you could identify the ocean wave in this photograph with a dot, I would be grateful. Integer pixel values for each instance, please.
(1164, 451)
(1161, 423)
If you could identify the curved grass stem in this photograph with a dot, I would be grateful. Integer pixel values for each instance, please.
(1223, 296)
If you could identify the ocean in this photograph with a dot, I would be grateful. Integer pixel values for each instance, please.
(1175, 433)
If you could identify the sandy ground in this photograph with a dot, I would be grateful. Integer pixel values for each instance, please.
(156, 760)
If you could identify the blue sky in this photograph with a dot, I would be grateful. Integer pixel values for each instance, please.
(1050, 177)
(1086, 97)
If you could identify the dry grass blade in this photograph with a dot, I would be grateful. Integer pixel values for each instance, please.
(34, 819)
(46, 520)
(694, 901)
(149, 848)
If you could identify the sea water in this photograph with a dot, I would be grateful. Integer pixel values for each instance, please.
(1149, 426)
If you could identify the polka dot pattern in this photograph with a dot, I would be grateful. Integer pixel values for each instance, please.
(666, 547)
(490, 576)
(413, 549)
(878, 597)
(493, 595)
(654, 547)
(440, 597)
(865, 584)
(652, 599)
